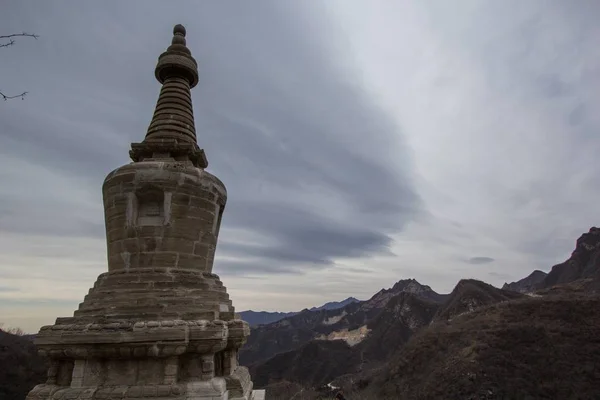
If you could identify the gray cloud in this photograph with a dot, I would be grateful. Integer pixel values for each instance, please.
(284, 126)
(466, 129)
(480, 260)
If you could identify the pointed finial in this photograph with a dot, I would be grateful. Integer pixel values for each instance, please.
(178, 35)
(177, 61)
(179, 30)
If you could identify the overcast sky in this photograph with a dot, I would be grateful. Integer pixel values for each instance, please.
(360, 142)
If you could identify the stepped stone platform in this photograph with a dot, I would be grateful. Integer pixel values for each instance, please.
(159, 324)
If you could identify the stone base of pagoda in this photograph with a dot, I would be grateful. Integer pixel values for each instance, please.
(214, 389)
(168, 359)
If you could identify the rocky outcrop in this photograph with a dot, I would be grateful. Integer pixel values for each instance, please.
(581, 271)
(527, 284)
(583, 263)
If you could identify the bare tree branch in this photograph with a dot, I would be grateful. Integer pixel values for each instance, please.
(5, 97)
(11, 37)
(10, 42)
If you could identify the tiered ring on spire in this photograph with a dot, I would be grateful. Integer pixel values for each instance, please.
(172, 132)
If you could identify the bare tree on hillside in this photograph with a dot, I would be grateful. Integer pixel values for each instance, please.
(7, 41)
(12, 331)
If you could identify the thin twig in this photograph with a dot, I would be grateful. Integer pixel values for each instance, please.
(5, 97)
(13, 35)
(10, 42)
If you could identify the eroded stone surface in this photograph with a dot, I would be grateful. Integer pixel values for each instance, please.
(159, 324)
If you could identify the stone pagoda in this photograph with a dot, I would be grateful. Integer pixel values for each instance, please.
(159, 324)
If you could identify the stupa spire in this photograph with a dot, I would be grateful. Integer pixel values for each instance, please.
(172, 132)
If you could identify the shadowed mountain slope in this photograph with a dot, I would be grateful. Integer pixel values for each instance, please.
(542, 347)
(350, 322)
(527, 284)
(470, 294)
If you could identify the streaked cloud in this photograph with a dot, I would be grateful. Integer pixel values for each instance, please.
(359, 144)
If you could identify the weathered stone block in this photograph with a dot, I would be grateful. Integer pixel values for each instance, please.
(202, 249)
(163, 390)
(121, 372)
(119, 233)
(186, 229)
(115, 247)
(130, 245)
(202, 199)
(115, 212)
(190, 261)
(116, 261)
(180, 199)
(179, 212)
(120, 177)
(149, 231)
(134, 391)
(177, 245)
(153, 259)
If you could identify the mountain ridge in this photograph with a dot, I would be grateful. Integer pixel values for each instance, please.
(533, 337)
(346, 323)
(527, 284)
(255, 318)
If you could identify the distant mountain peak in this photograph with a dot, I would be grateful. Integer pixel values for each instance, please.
(527, 284)
(255, 318)
(333, 305)
(470, 294)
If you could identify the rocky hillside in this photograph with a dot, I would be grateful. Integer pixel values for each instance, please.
(403, 315)
(460, 345)
(470, 294)
(349, 323)
(319, 361)
(20, 366)
(532, 347)
(583, 263)
(313, 364)
(528, 284)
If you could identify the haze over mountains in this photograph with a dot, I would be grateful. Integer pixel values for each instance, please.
(536, 337)
(265, 317)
